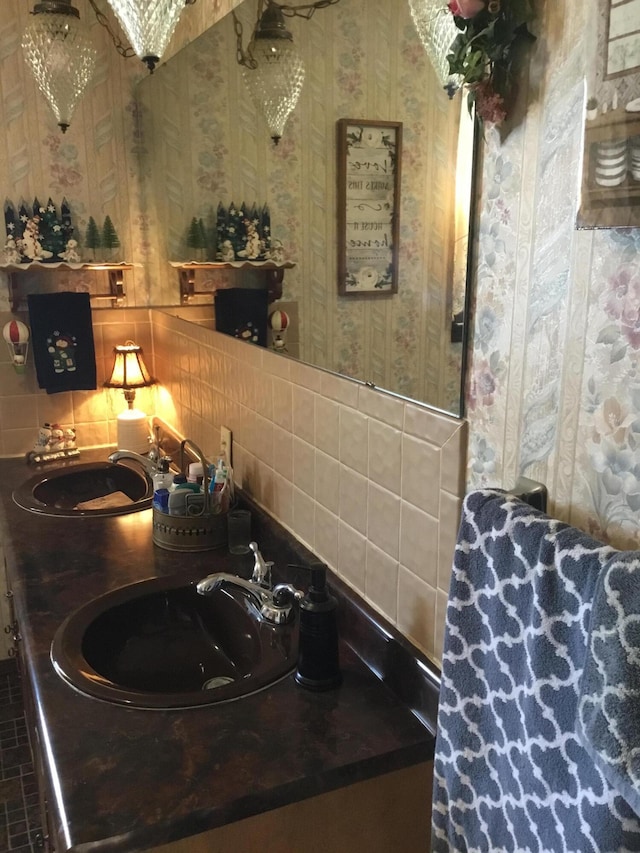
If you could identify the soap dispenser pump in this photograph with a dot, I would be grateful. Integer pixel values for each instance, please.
(318, 665)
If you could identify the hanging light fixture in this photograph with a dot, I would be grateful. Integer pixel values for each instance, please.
(149, 25)
(272, 68)
(275, 81)
(60, 54)
(436, 29)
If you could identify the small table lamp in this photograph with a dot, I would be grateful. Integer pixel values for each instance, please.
(129, 373)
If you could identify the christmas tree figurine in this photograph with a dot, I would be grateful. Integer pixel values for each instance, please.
(110, 239)
(52, 234)
(92, 238)
(197, 238)
(65, 220)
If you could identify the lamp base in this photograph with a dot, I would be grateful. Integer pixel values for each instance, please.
(133, 431)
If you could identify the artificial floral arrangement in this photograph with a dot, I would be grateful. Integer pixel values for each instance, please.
(483, 54)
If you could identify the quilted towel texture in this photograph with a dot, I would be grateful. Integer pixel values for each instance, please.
(541, 651)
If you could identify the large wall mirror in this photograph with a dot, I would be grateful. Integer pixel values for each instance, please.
(204, 143)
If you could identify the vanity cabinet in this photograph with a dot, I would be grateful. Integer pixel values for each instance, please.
(388, 813)
(284, 770)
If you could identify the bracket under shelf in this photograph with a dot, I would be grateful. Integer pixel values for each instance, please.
(117, 293)
(273, 274)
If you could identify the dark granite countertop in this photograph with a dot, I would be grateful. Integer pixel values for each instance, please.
(124, 779)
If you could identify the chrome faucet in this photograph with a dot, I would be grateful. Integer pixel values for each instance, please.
(274, 605)
(149, 463)
(261, 570)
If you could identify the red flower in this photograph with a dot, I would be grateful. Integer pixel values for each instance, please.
(466, 8)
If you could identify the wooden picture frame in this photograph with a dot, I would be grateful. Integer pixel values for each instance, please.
(369, 170)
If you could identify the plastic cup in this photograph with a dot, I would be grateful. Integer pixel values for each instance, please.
(239, 531)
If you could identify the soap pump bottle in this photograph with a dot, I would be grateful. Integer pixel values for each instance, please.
(318, 666)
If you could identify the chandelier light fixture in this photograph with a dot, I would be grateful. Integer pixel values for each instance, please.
(61, 55)
(272, 67)
(436, 29)
(149, 25)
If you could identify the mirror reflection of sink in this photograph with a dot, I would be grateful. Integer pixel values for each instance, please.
(159, 644)
(87, 489)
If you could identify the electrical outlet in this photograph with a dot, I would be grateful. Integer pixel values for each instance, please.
(225, 442)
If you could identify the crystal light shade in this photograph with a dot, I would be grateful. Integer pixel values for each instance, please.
(60, 54)
(149, 25)
(276, 82)
(436, 29)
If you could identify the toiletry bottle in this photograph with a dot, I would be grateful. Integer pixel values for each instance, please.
(180, 483)
(218, 481)
(318, 665)
(163, 478)
(196, 473)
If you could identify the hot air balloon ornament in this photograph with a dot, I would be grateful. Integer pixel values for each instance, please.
(279, 323)
(16, 334)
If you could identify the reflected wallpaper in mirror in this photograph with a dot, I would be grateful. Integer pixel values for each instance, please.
(204, 143)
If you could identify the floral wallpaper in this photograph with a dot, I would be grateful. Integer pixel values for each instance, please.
(554, 384)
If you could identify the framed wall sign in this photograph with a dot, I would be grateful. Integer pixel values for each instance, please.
(369, 158)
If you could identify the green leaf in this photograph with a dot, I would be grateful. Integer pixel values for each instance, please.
(608, 335)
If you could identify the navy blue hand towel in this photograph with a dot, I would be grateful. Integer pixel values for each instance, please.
(62, 341)
(242, 313)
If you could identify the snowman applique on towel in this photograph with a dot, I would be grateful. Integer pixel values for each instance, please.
(62, 349)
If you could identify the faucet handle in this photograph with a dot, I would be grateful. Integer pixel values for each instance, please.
(261, 569)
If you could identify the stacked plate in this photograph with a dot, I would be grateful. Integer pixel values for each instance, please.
(612, 162)
(634, 157)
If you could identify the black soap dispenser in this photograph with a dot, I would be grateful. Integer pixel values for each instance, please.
(318, 666)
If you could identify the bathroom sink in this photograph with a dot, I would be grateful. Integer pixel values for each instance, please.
(58, 491)
(159, 644)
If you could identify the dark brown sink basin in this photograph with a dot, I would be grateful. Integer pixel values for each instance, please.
(159, 644)
(60, 490)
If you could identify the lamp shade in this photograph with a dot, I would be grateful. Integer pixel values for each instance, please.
(129, 370)
(276, 81)
(61, 56)
(149, 25)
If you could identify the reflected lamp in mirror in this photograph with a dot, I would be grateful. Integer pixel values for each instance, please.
(61, 55)
(275, 75)
(130, 373)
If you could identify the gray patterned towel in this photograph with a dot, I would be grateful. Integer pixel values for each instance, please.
(609, 705)
(510, 770)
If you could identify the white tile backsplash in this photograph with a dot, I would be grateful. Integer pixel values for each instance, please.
(383, 519)
(327, 426)
(328, 482)
(419, 543)
(370, 482)
(385, 455)
(381, 581)
(354, 440)
(353, 499)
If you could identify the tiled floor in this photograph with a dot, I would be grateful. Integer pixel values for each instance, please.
(19, 810)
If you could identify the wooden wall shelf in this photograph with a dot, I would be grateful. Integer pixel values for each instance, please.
(273, 273)
(116, 293)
